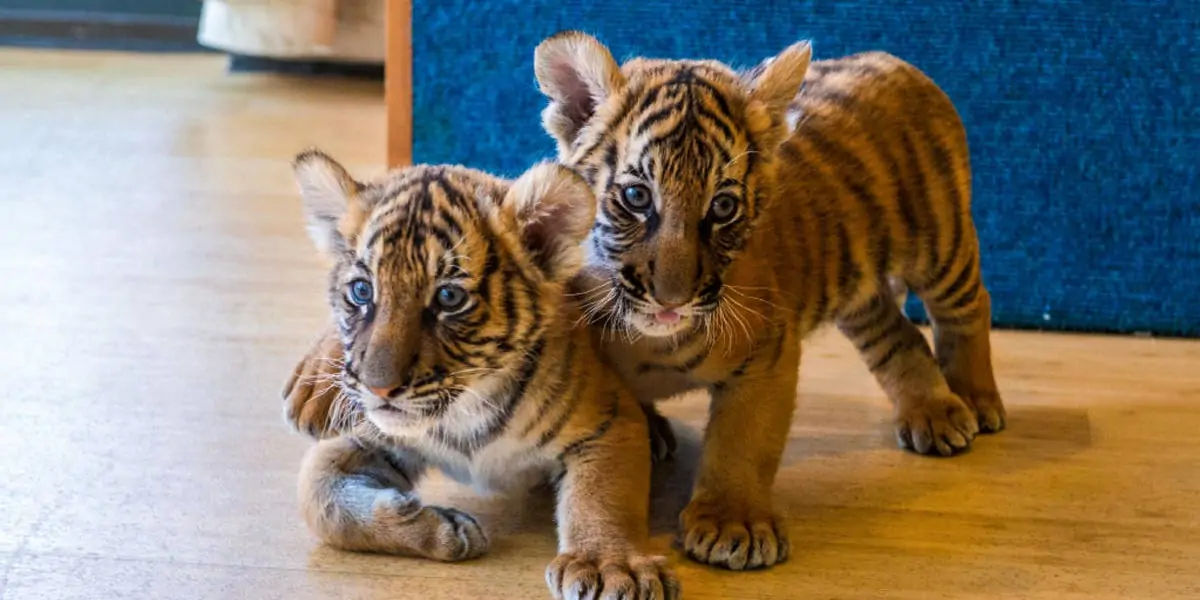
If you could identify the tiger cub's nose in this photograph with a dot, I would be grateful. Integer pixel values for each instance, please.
(384, 392)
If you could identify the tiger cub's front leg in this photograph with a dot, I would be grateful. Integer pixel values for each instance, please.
(603, 507)
(730, 521)
(358, 497)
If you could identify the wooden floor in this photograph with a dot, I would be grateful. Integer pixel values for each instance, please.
(156, 287)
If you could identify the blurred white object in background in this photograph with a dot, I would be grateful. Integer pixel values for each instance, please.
(338, 30)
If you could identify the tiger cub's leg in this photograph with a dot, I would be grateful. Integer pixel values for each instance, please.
(929, 416)
(662, 437)
(730, 521)
(356, 497)
(602, 514)
(961, 312)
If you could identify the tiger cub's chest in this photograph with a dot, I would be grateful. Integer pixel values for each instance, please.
(657, 369)
(506, 463)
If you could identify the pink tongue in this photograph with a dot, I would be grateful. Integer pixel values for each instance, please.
(667, 317)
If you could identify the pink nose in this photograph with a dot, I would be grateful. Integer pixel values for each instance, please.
(666, 317)
(382, 392)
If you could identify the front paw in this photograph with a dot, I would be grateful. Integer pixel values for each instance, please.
(938, 423)
(312, 394)
(584, 576)
(731, 538)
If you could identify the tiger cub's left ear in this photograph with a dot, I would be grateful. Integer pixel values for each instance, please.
(554, 209)
(773, 85)
(332, 205)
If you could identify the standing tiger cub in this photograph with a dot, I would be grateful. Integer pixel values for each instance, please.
(449, 295)
(736, 212)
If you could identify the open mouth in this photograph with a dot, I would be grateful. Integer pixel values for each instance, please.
(660, 323)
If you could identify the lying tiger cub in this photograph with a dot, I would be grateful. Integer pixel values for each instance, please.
(449, 293)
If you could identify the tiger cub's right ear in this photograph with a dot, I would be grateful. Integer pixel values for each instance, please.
(577, 73)
(331, 203)
(554, 210)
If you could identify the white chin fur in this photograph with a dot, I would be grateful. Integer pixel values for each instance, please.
(647, 326)
(394, 423)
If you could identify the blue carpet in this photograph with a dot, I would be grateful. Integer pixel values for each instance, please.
(1083, 120)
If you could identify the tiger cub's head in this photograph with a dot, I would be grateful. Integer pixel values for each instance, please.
(445, 279)
(680, 156)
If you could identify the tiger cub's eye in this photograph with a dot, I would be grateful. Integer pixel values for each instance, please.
(450, 298)
(361, 292)
(636, 197)
(724, 208)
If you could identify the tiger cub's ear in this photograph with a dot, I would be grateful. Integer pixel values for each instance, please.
(773, 85)
(553, 209)
(331, 203)
(577, 73)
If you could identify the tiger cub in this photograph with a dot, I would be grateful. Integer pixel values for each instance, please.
(737, 211)
(449, 297)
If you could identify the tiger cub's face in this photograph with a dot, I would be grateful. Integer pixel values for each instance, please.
(680, 157)
(445, 279)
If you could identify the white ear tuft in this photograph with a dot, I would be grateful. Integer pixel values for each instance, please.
(327, 190)
(554, 210)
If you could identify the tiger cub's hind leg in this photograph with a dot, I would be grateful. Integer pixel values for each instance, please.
(662, 437)
(930, 418)
(960, 309)
(357, 497)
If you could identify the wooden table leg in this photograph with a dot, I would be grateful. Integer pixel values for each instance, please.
(398, 82)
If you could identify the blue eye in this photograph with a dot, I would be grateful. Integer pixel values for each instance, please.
(636, 197)
(451, 298)
(723, 208)
(361, 292)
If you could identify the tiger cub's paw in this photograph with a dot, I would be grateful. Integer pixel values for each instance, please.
(584, 576)
(990, 410)
(731, 538)
(935, 424)
(311, 393)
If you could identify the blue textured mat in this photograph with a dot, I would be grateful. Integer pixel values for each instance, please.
(1082, 116)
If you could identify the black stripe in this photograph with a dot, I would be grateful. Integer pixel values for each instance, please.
(943, 164)
(921, 193)
(685, 367)
(964, 319)
(907, 343)
(964, 275)
(718, 96)
(716, 120)
(854, 175)
(579, 445)
(777, 350)
(888, 328)
(557, 387)
(896, 347)
(508, 404)
(655, 117)
(741, 369)
(854, 322)
(848, 272)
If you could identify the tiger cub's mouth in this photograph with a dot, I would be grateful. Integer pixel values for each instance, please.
(662, 322)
